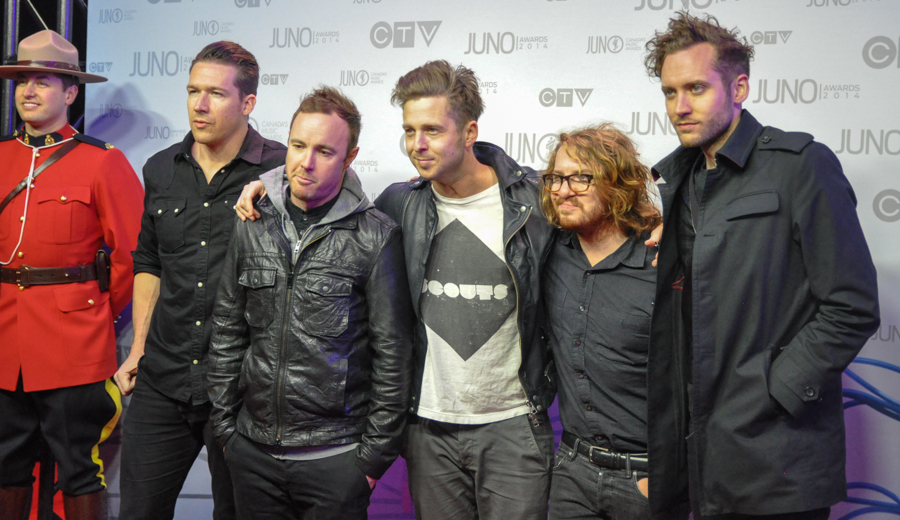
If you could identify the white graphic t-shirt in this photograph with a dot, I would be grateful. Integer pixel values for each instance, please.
(468, 305)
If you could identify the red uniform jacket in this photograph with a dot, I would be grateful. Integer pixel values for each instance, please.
(62, 335)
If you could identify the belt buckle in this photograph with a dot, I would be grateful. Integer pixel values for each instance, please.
(23, 278)
(591, 455)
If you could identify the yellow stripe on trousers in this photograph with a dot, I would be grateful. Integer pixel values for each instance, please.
(114, 394)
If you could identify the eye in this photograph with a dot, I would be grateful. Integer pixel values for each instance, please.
(409, 131)
(697, 89)
(668, 92)
(584, 178)
(325, 153)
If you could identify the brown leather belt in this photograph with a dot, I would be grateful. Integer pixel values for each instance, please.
(24, 275)
(606, 458)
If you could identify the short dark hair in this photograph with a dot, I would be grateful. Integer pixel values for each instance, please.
(329, 100)
(67, 81)
(610, 157)
(230, 53)
(733, 53)
(439, 78)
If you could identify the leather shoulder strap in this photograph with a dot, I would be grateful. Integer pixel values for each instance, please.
(57, 155)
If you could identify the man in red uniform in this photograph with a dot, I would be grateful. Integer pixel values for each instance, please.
(58, 299)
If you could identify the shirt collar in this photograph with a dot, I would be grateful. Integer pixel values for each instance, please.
(251, 149)
(631, 253)
(50, 139)
(741, 142)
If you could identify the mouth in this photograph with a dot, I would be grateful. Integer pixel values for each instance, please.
(423, 161)
(29, 104)
(200, 124)
(686, 125)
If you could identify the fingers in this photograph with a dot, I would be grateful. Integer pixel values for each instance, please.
(125, 381)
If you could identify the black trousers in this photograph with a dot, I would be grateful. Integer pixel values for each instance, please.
(161, 440)
(266, 488)
(74, 421)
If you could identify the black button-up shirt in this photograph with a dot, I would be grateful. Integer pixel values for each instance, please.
(185, 230)
(599, 320)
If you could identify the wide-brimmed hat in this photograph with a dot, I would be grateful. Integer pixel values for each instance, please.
(47, 51)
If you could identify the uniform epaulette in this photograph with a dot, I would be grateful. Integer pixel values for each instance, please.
(775, 139)
(86, 139)
(9, 137)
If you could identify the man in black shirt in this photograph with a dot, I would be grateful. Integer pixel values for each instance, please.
(598, 284)
(187, 222)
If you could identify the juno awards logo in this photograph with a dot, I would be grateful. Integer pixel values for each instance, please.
(880, 52)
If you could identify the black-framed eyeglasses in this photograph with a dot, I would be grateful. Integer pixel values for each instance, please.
(578, 182)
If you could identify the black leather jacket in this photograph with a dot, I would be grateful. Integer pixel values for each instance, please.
(527, 236)
(312, 335)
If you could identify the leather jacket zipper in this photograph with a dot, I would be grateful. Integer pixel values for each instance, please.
(531, 405)
(279, 432)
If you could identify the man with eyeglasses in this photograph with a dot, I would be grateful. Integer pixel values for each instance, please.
(599, 283)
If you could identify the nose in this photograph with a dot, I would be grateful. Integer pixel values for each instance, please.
(308, 161)
(420, 142)
(28, 89)
(564, 190)
(682, 105)
(201, 103)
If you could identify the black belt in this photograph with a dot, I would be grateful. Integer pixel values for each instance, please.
(606, 458)
(24, 275)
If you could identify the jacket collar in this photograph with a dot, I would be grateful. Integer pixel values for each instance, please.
(50, 139)
(737, 150)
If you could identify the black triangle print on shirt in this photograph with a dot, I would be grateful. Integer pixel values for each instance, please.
(468, 291)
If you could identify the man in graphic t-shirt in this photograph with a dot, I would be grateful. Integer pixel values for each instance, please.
(480, 441)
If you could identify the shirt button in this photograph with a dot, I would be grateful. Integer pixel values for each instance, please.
(21, 254)
(206, 204)
(589, 408)
(159, 212)
(63, 198)
(199, 323)
(203, 243)
(578, 342)
(195, 361)
(200, 284)
(581, 375)
(581, 308)
(176, 210)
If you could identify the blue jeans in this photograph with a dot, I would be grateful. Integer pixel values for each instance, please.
(580, 489)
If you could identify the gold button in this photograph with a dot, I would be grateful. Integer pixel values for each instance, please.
(203, 243)
(159, 212)
(176, 210)
(200, 284)
(22, 218)
(32, 185)
(21, 255)
(206, 204)
(195, 361)
(21, 288)
(199, 323)
(63, 198)
(90, 302)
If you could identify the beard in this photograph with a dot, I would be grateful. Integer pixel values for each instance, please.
(583, 218)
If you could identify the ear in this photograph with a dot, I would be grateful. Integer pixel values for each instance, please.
(350, 157)
(248, 104)
(71, 94)
(740, 89)
(470, 133)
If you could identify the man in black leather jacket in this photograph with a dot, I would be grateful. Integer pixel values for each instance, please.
(310, 360)
(480, 443)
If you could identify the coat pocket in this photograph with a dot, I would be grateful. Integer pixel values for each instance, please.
(327, 310)
(168, 215)
(752, 204)
(63, 214)
(259, 285)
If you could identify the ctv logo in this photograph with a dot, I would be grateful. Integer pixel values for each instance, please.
(564, 97)
(273, 79)
(402, 34)
(769, 37)
(247, 3)
(880, 52)
(100, 67)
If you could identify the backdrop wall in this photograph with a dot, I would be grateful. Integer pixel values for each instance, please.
(828, 67)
